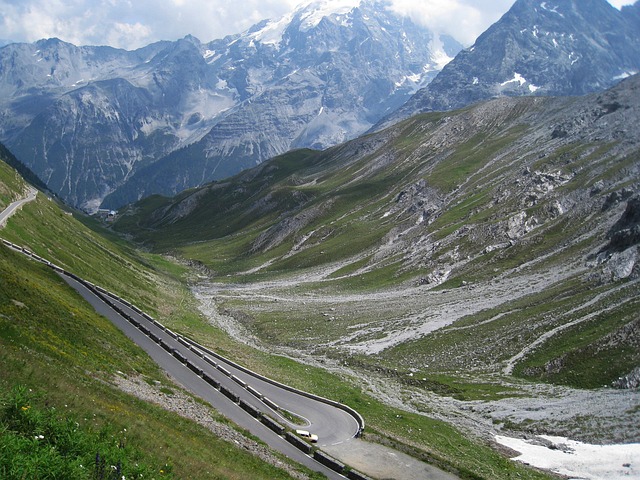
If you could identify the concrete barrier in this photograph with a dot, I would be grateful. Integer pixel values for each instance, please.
(229, 394)
(196, 348)
(250, 409)
(356, 475)
(270, 404)
(117, 298)
(194, 368)
(358, 418)
(272, 424)
(209, 360)
(328, 461)
(196, 351)
(297, 442)
(239, 381)
(210, 380)
(179, 356)
(74, 276)
(254, 392)
(158, 324)
(171, 333)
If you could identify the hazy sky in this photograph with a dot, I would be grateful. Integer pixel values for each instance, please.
(134, 23)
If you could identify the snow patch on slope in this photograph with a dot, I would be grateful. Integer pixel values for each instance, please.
(439, 55)
(576, 459)
(273, 31)
(316, 11)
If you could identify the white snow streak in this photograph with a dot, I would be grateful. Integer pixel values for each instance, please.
(576, 459)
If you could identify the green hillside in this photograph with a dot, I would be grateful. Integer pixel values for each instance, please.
(481, 254)
(439, 270)
(418, 206)
(60, 360)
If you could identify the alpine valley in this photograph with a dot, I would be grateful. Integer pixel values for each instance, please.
(480, 266)
(453, 251)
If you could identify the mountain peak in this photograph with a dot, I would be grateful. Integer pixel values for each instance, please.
(312, 13)
(539, 47)
(306, 17)
(322, 74)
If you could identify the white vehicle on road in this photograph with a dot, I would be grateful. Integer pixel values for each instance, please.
(313, 438)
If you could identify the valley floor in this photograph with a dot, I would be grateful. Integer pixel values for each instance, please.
(602, 416)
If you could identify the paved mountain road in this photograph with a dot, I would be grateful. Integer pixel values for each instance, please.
(332, 425)
(13, 207)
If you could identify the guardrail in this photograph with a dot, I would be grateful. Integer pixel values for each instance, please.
(187, 342)
(346, 408)
(200, 351)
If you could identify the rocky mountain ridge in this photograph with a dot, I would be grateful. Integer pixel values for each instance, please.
(87, 119)
(556, 47)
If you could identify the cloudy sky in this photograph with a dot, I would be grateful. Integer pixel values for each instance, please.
(134, 23)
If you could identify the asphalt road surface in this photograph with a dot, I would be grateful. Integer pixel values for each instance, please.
(13, 207)
(332, 425)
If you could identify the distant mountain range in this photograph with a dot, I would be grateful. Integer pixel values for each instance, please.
(556, 47)
(107, 126)
(89, 120)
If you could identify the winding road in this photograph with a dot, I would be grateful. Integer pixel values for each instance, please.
(332, 425)
(252, 401)
(15, 206)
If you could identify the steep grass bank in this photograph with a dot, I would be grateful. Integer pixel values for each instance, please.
(56, 347)
(54, 344)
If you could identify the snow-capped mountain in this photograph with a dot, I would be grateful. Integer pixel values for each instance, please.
(315, 78)
(90, 120)
(552, 47)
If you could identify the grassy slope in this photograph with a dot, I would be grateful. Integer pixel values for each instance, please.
(483, 181)
(337, 209)
(52, 342)
(448, 447)
(11, 185)
(431, 440)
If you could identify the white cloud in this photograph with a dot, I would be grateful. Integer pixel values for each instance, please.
(620, 3)
(462, 19)
(135, 23)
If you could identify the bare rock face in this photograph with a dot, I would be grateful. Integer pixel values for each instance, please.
(98, 122)
(620, 265)
(560, 47)
(630, 381)
(626, 232)
(621, 256)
